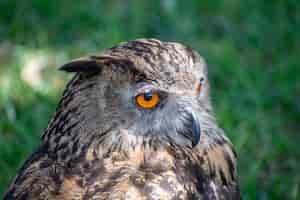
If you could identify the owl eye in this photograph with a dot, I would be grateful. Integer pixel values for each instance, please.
(147, 100)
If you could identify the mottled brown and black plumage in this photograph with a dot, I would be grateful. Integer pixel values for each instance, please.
(100, 145)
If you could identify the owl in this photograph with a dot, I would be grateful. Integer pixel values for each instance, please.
(135, 122)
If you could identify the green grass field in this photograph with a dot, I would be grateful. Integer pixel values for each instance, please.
(252, 49)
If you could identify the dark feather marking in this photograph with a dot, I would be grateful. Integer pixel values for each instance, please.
(106, 187)
(95, 173)
(46, 163)
(56, 174)
(230, 165)
(140, 52)
(223, 179)
(68, 128)
(23, 196)
(75, 146)
(191, 53)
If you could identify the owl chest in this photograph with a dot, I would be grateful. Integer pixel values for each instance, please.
(136, 176)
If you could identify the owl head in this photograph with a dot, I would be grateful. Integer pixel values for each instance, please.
(144, 92)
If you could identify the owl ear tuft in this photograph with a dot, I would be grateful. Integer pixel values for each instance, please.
(81, 65)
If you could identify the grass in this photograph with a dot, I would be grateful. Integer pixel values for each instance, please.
(252, 49)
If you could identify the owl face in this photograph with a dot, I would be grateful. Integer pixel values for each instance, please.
(150, 92)
(146, 111)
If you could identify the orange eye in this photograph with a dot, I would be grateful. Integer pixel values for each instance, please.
(147, 100)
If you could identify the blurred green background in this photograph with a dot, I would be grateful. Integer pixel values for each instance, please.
(252, 48)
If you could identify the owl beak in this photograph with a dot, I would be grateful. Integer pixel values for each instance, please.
(196, 131)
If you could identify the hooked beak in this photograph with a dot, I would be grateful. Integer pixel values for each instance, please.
(195, 130)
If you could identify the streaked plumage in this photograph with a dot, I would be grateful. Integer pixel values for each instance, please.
(100, 145)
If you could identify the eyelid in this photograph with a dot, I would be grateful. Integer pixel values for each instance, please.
(160, 92)
(144, 87)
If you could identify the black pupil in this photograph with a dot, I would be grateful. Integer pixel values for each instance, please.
(148, 96)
